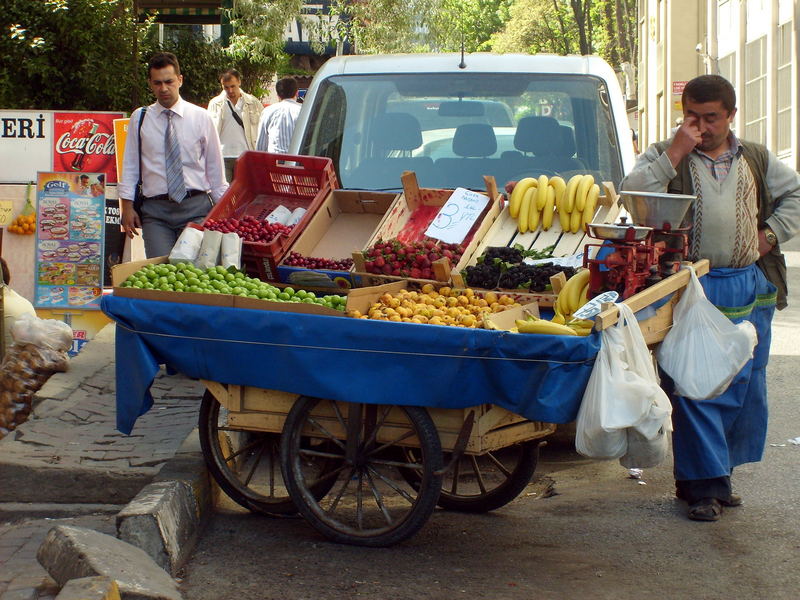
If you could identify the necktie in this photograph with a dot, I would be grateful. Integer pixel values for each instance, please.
(172, 152)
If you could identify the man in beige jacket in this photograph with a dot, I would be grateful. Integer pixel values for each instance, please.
(235, 115)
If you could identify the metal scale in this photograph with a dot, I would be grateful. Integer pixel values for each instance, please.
(639, 255)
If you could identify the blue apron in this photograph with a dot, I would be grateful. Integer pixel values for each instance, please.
(713, 436)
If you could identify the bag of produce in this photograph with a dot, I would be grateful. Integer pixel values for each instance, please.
(187, 247)
(704, 350)
(209, 250)
(39, 350)
(230, 254)
(623, 393)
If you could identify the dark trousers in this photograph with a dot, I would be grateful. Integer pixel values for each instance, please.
(163, 221)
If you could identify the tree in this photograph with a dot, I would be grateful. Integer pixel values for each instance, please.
(604, 27)
(75, 54)
(257, 43)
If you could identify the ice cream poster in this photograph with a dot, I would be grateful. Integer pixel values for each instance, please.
(70, 230)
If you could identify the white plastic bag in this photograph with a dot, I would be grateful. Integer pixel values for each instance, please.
(45, 333)
(622, 393)
(187, 247)
(209, 249)
(704, 350)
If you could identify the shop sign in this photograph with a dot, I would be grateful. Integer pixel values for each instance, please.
(46, 140)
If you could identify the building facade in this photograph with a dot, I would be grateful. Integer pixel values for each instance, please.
(752, 43)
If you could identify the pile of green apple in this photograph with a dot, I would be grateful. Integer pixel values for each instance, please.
(185, 277)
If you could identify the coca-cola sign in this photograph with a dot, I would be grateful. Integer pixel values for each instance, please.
(85, 142)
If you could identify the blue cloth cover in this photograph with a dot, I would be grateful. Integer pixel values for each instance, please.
(541, 377)
(713, 436)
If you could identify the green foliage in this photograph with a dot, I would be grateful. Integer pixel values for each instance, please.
(75, 54)
(256, 46)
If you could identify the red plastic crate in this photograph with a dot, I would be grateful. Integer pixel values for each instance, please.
(263, 182)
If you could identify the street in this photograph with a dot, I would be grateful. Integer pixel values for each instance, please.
(583, 528)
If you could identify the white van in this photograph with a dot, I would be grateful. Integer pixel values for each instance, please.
(505, 115)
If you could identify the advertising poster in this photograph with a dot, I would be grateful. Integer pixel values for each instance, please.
(120, 137)
(69, 240)
(84, 142)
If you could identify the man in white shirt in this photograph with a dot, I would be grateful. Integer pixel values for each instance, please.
(182, 171)
(277, 121)
(235, 115)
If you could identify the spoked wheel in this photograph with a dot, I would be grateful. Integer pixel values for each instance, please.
(246, 463)
(482, 483)
(370, 503)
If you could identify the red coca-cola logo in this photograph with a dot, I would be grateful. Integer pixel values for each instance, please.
(84, 142)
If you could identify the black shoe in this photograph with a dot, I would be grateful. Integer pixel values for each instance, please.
(707, 509)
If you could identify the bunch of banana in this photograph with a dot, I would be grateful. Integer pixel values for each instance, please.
(534, 325)
(533, 202)
(578, 203)
(572, 296)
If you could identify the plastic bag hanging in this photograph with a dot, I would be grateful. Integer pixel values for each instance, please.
(25, 222)
(704, 350)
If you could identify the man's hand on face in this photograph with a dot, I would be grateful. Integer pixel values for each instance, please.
(686, 138)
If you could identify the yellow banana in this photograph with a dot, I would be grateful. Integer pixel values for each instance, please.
(524, 209)
(572, 291)
(559, 318)
(563, 215)
(584, 295)
(570, 192)
(575, 218)
(591, 204)
(584, 323)
(581, 330)
(541, 197)
(517, 194)
(583, 190)
(542, 326)
(534, 216)
(547, 211)
(559, 185)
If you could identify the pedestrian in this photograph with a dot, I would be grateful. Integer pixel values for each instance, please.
(748, 203)
(14, 306)
(277, 121)
(236, 115)
(182, 172)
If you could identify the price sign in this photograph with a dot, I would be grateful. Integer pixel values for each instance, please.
(457, 216)
(6, 213)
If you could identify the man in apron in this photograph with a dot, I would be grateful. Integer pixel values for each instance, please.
(748, 202)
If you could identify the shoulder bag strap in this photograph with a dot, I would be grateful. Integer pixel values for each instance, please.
(235, 114)
(139, 133)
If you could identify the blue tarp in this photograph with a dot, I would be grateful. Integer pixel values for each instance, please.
(541, 377)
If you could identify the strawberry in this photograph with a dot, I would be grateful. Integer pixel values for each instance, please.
(415, 272)
(379, 261)
(426, 273)
(386, 269)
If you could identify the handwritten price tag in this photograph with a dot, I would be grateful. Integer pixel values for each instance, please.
(457, 216)
(6, 213)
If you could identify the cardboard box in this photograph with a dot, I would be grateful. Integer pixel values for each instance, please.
(344, 221)
(406, 209)
(119, 273)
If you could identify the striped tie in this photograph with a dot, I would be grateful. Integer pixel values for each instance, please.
(172, 153)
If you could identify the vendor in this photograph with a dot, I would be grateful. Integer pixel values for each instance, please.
(748, 203)
(14, 306)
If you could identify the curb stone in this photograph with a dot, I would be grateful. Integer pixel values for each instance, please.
(166, 518)
(90, 588)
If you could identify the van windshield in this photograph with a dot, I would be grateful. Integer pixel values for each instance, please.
(452, 129)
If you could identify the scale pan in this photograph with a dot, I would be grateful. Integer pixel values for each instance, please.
(653, 209)
(604, 231)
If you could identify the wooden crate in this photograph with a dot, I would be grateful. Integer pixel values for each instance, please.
(504, 232)
(401, 212)
(259, 409)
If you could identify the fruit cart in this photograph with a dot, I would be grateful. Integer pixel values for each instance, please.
(363, 426)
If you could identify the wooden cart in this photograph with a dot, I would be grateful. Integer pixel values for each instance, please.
(363, 474)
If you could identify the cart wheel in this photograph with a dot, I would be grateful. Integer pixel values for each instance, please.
(245, 463)
(370, 504)
(482, 483)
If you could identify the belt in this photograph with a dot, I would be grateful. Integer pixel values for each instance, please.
(189, 194)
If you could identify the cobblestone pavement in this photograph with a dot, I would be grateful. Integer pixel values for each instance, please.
(70, 460)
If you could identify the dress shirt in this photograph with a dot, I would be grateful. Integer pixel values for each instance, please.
(231, 134)
(201, 152)
(277, 125)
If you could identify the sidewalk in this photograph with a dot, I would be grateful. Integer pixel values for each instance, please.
(68, 464)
